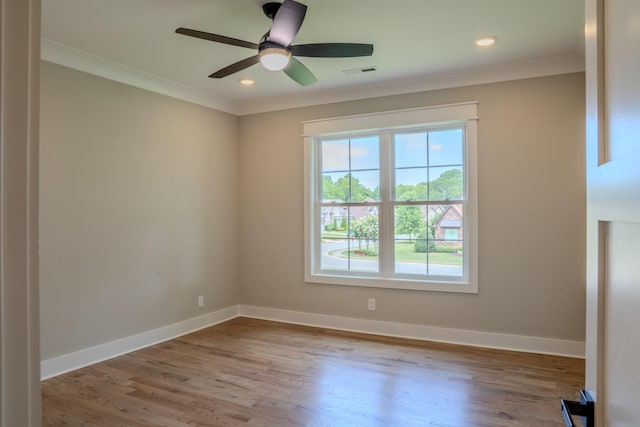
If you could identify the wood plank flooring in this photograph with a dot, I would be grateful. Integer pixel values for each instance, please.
(248, 372)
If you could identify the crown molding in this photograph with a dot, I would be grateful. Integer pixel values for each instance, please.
(73, 58)
(468, 77)
(79, 60)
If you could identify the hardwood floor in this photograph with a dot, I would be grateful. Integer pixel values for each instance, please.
(259, 373)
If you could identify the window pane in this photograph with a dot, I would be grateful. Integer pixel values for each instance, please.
(446, 260)
(411, 184)
(335, 155)
(332, 249)
(365, 186)
(409, 259)
(364, 229)
(333, 218)
(365, 153)
(335, 187)
(446, 183)
(421, 240)
(410, 239)
(334, 223)
(447, 229)
(410, 149)
(349, 239)
(445, 147)
(351, 169)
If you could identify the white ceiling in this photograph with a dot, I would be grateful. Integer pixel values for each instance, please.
(418, 45)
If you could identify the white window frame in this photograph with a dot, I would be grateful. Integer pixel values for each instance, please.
(461, 114)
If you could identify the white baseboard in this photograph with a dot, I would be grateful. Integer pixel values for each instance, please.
(422, 332)
(76, 360)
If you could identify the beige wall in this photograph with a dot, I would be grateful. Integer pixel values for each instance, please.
(531, 214)
(138, 210)
(147, 202)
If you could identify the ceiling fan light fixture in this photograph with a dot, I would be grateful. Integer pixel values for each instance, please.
(275, 58)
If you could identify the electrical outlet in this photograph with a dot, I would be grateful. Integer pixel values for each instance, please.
(371, 304)
(201, 301)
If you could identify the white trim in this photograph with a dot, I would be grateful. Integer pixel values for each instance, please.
(79, 60)
(79, 359)
(432, 115)
(88, 356)
(482, 339)
(471, 219)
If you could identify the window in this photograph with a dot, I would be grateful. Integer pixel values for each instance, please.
(451, 234)
(390, 199)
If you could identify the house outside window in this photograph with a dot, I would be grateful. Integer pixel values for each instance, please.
(448, 226)
(390, 199)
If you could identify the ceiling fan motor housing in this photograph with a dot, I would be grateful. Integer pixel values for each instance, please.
(270, 9)
(267, 44)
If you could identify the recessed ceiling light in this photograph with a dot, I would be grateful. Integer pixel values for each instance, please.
(486, 41)
(246, 82)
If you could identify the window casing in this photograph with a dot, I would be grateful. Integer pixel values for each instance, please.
(390, 199)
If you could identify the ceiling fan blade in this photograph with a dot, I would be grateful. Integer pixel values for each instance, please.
(332, 50)
(234, 68)
(287, 22)
(299, 73)
(216, 38)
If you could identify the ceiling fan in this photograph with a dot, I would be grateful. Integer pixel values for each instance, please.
(275, 50)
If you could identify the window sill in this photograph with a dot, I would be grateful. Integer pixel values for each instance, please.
(435, 285)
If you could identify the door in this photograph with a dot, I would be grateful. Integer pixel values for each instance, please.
(613, 210)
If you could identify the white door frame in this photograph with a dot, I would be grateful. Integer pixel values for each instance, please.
(19, 117)
(612, 196)
(595, 157)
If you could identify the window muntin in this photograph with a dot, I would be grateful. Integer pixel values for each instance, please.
(410, 185)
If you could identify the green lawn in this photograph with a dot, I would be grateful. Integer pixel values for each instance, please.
(334, 235)
(405, 252)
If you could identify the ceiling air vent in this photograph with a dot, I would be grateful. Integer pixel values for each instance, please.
(360, 70)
